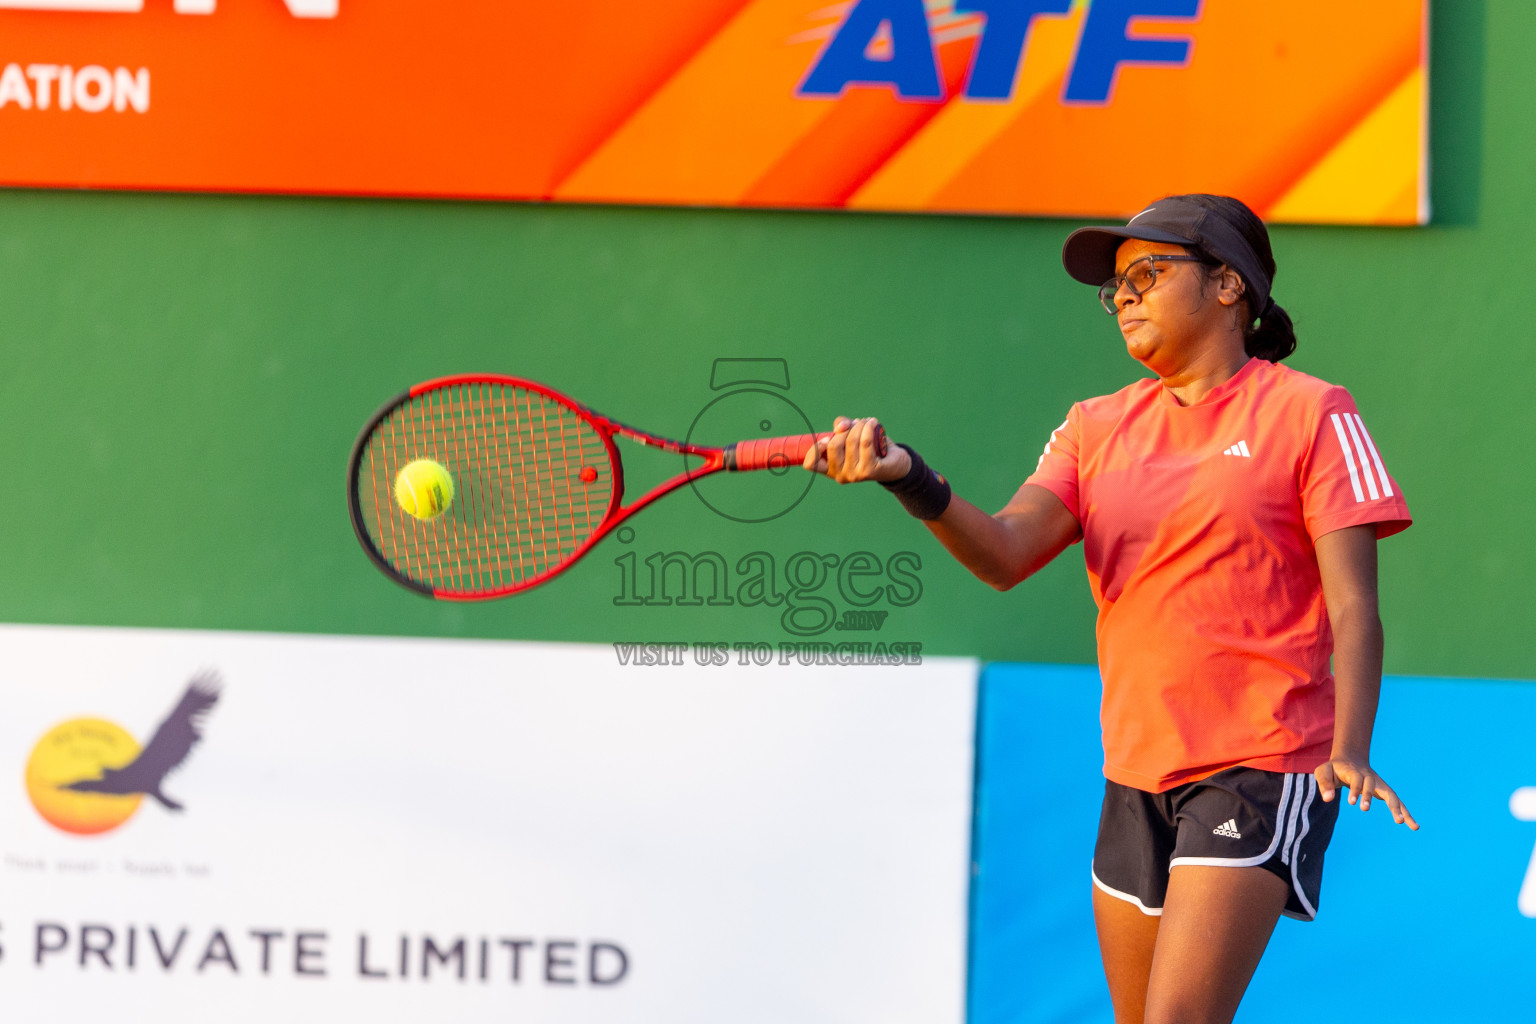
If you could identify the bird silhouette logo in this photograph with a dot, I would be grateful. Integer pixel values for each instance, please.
(88, 775)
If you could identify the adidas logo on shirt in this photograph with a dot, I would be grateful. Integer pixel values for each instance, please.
(1241, 448)
(1229, 829)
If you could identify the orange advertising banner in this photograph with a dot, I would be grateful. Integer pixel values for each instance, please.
(1310, 110)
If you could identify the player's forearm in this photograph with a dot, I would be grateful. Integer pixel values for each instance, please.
(1357, 655)
(989, 546)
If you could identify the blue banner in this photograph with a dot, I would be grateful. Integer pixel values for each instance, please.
(1424, 926)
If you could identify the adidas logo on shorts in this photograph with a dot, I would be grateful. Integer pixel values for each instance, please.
(1229, 829)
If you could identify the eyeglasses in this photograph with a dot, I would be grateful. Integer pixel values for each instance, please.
(1138, 277)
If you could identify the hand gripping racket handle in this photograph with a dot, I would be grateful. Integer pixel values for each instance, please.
(779, 452)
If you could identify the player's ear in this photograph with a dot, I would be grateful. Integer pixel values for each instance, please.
(1229, 286)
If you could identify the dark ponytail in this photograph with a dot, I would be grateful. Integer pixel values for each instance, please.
(1273, 337)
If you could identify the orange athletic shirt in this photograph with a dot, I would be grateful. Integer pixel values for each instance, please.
(1198, 528)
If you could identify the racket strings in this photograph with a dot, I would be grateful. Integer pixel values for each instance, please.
(532, 482)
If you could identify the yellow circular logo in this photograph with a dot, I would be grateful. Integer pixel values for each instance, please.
(78, 752)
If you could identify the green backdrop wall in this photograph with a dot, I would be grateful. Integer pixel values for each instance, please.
(183, 377)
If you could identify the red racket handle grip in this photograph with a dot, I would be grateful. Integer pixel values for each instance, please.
(778, 452)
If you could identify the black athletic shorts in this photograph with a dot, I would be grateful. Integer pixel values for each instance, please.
(1242, 817)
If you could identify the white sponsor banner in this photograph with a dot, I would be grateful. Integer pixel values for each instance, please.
(409, 830)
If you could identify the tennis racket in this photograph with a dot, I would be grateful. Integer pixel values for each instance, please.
(537, 482)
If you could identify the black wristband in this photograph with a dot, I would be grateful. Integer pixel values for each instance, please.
(921, 492)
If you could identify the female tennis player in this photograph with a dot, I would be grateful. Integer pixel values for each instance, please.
(1229, 509)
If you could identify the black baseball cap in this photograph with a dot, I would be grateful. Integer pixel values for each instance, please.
(1089, 253)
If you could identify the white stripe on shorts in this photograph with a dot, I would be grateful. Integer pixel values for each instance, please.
(1306, 825)
(1290, 826)
(1117, 894)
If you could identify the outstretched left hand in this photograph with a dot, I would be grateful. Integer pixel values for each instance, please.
(1363, 783)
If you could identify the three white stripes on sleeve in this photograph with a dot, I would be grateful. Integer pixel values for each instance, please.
(1350, 427)
(1351, 430)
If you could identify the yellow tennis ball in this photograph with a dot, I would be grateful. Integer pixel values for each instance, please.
(424, 489)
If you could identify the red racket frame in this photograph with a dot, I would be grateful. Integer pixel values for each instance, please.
(741, 456)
